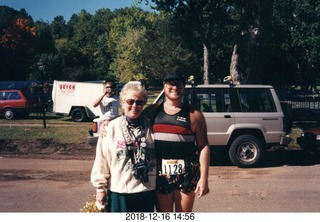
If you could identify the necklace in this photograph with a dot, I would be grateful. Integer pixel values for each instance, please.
(135, 139)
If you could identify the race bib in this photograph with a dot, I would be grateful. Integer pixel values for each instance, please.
(173, 167)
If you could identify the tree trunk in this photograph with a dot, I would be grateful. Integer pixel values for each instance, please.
(248, 58)
(233, 66)
(205, 64)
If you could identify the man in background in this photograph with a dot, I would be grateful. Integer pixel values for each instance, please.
(108, 102)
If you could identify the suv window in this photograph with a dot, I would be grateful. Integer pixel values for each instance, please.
(256, 100)
(211, 100)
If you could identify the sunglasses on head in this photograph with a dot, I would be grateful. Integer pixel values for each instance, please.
(137, 102)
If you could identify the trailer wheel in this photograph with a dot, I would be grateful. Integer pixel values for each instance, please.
(78, 115)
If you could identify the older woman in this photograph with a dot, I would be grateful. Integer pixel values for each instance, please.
(124, 170)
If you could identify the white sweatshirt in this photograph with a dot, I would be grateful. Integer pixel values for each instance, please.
(113, 169)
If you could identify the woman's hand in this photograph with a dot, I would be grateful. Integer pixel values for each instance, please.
(101, 200)
(202, 188)
(102, 130)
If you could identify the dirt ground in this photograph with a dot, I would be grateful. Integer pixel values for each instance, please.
(50, 150)
(46, 150)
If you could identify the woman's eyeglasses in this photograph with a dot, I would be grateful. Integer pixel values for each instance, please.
(138, 102)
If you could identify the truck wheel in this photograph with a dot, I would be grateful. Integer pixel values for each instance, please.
(9, 114)
(78, 115)
(246, 151)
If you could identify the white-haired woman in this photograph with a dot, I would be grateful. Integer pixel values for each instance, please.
(124, 170)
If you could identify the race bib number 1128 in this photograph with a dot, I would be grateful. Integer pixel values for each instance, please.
(173, 167)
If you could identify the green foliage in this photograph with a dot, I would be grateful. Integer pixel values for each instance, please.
(295, 43)
(52, 69)
(59, 28)
(133, 44)
(17, 38)
(128, 64)
(205, 24)
(44, 39)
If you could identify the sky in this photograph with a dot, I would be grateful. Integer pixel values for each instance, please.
(46, 10)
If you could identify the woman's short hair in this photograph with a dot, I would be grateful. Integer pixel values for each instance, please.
(133, 86)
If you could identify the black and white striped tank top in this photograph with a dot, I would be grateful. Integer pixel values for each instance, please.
(174, 138)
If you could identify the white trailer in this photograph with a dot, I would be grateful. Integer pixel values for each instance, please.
(75, 99)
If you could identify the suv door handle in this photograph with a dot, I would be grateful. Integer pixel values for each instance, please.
(227, 116)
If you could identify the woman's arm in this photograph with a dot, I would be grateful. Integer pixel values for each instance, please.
(198, 125)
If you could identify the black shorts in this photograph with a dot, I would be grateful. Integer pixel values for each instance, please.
(185, 182)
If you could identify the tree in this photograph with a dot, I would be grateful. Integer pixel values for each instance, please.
(127, 30)
(16, 44)
(102, 57)
(52, 71)
(305, 37)
(79, 49)
(249, 55)
(164, 49)
(44, 40)
(86, 48)
(144, 47)
(59, 28)
(294, 49)
(102, 61)
(200, 15)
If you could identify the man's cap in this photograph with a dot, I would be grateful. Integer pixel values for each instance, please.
(173, 76)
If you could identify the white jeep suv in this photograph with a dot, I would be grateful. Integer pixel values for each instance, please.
(246, 120)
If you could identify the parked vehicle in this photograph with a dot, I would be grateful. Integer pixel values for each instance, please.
(75, 99)
(37, 92)
(310, 140)
(14, 103)
(244, 120)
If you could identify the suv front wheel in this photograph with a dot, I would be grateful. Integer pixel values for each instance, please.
(246, 151)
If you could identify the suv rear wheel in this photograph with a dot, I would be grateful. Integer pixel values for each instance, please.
(246, 151)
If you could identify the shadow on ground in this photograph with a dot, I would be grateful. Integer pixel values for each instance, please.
(280, 157)
(291, 158)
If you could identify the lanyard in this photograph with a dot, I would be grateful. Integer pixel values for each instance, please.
(137, 147)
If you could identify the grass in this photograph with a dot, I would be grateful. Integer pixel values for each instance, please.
(58, 129)
(61, 135)
(295, 133)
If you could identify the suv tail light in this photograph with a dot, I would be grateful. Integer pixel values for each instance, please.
(94, 127)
